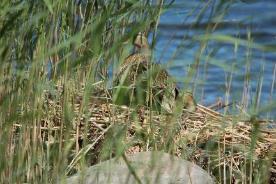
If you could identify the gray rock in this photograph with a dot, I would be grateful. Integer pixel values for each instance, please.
(149, 167)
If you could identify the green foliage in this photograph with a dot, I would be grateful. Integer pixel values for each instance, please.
(75, 38)
(52, 56)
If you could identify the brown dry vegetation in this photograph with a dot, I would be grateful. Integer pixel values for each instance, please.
(223, 145)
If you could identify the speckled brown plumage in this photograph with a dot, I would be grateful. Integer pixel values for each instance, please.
(135, 64)
(135, 73)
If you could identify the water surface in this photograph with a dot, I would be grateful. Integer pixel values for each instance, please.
(219, 62)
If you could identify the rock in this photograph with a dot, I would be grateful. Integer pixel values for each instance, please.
(149, 167)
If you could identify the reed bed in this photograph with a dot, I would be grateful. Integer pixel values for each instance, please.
(229, 148)
(57, 119)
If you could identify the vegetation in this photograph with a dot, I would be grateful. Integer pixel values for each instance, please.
(56, 110)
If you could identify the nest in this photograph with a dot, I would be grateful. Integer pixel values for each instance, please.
(214, 141)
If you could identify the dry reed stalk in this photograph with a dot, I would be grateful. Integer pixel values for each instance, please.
(197, 128)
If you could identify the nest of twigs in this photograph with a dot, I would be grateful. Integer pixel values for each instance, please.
(214, 141)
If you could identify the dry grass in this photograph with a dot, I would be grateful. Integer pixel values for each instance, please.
(229, 148)
(52, 123)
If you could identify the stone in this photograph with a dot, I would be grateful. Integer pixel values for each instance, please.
(149, 167)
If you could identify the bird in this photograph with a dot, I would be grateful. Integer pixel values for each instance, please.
(129, 79)
(133, 81)
(138, 61)
(187, 101)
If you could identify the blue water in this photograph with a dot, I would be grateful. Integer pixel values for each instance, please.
(177, 49)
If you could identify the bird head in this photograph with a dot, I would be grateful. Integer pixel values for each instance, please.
(141, 40)
(141, 43)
